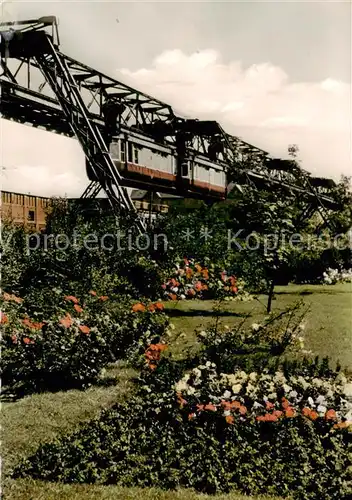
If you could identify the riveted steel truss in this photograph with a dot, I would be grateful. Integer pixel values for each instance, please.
(43, 87)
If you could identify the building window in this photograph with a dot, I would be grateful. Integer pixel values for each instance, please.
(31, 215)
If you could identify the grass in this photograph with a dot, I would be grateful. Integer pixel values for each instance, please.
(40, 418)
(328, 320)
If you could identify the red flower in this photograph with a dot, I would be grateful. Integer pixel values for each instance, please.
(242, 410)
(230, 419)
(138, 307)
(330, 415)
(66, 321)
(151, 307)
(290, 412)
(198, 286)
(84, 329)
(285, 403)
(4, 318)
(210, 407)
(72, 299)
(78, 308)
(163, 286)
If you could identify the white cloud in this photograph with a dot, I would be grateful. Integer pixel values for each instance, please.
(257, 103)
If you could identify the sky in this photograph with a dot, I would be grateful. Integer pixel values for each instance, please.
(272, 73)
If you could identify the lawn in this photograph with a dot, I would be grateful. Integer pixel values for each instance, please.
(328, 320)
(39, 418)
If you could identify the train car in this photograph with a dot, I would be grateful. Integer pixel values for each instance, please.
(144, 163)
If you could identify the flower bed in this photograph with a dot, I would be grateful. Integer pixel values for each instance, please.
(70, 346)
(190, 280)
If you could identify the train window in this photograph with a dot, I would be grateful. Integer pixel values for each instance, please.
(123, 150)
(135, 155)
(130, 152)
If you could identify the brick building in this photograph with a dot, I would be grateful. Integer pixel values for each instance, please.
(24, 209)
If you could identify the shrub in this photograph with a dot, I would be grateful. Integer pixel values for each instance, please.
(282, 433)
(70, 346)
(190, 280)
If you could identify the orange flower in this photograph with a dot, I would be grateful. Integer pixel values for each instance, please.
(200, 407)
(72, 299)
(290, 412)
(103, 298)
(92, 292)
(277, 413)
(84, 329)
(236, 404)
(307, 412)
(152, 366)
(198, 268)
(210, 407)
(285, 403)
(330, 415)
(159, 306)
(4, 318)
(191, 416)
(230, 419)
(151, 307)
(26, 340)
(242, 410)
(234, 289)
(14, 339)
(342, 425)
(205, 273)
(189, 273)
(12, 297)
(205, 287)
(182, 402)
(172, 296)
(66, 321)
(78, 308)
(224, 276)
(198, 286)
(232, 280)
(138, 307)
(269, 406)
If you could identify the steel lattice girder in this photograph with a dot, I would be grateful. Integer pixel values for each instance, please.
(21, 103)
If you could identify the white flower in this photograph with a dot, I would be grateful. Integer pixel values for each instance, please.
(227, 395)
(320, 400)
(311, 402)
(347, 390)
(287, 388)
(197, 372)
(322, 409)
(273, 395)
(255, 327)
(257, 405)
(236, 388)
(190, 390)
(293, 394)
(317, 382)
(253, 376)
(181, 386)
(227, 413)
(183, 296)
(302, 326)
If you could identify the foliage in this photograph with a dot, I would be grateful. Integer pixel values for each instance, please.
(213, 430)
(65, 341)
(190, 280)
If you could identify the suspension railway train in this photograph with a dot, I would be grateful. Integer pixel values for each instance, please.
(142, 161)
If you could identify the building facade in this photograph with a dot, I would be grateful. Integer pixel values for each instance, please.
(24, 209)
